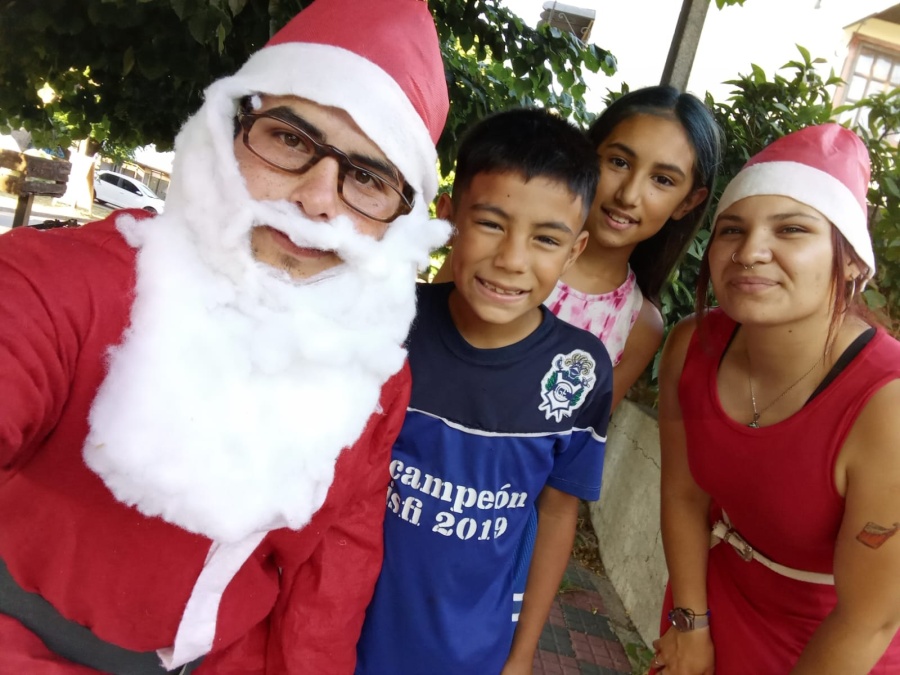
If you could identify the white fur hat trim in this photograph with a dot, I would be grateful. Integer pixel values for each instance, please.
(367, 93)
(810, 186)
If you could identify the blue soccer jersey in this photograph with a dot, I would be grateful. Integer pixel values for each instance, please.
(486, 430)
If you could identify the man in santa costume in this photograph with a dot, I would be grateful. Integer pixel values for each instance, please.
(197, 409)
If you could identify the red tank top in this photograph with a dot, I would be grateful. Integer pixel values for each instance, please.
(776, 483)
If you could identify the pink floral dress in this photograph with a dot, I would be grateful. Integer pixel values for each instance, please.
(609, 316)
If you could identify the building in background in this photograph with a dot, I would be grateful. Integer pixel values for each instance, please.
(575, 20)
(872, 59)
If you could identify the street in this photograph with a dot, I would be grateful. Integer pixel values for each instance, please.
(43, 209)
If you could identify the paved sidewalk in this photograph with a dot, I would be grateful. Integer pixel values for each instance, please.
(46, 208)
(588, 632)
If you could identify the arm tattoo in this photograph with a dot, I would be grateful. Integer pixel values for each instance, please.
(874, 535)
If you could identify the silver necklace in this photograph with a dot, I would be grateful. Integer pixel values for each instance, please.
(754, 423)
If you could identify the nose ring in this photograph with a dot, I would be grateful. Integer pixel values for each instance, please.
(746, 267)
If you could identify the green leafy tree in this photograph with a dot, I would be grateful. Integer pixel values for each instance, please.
(129, 72)
(495, 61)
(880, 129)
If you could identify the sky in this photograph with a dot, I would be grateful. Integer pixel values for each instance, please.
(763, 32)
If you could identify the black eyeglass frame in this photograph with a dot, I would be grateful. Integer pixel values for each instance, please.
(322, 150)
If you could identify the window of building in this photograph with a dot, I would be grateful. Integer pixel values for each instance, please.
(873, 71)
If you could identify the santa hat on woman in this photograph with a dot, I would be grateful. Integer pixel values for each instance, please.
(825, 167)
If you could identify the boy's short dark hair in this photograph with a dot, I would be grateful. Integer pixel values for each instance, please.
(533, 143)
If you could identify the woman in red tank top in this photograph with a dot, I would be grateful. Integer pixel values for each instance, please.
(780, 432)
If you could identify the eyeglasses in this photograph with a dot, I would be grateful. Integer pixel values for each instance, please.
(289, 148)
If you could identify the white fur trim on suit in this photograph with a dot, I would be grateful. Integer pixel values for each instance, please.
(228, 402)
(235, 387)
(197, 628)
(366, 92)
(809, 186)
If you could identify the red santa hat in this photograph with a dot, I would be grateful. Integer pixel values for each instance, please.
(378, 60)
(825, 167)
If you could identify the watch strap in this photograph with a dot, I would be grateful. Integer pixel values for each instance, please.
(686, 620)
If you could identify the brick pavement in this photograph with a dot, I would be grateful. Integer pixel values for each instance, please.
(585, 632)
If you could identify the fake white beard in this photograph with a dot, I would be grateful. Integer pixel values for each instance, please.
(236, 388)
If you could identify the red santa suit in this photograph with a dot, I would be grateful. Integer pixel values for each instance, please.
(193, 446)
(99, 561)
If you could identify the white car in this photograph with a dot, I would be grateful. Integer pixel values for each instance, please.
(126, 192)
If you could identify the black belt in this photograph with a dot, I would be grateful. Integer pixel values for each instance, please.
(72, 640)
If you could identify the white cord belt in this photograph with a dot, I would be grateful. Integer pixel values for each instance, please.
(723, 531)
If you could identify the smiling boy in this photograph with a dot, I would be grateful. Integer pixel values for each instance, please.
(509, 409)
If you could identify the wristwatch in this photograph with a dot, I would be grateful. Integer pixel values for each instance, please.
(686, 620)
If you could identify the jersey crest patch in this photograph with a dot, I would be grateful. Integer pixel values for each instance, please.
(566, 384)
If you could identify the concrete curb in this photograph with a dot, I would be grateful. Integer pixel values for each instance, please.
(626, 519)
